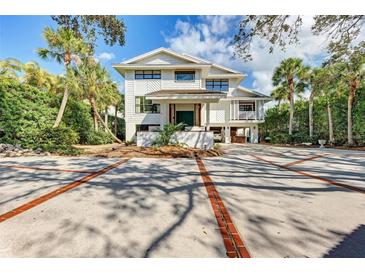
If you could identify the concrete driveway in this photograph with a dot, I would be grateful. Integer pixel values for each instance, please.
(283, 202)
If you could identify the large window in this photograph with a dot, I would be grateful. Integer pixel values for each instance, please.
(144, 105)
(217, 85)
(147, 74)
(184, 75)
(246, 106)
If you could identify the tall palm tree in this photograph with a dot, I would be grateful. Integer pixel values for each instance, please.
(93, 83)
(291, 73)
(354, 75)
(63, 46)
(315, 81)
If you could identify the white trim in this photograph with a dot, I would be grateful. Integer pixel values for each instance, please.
(250, 91)
(157, 51)
(233, 98)
(215, 76)
(152, 67)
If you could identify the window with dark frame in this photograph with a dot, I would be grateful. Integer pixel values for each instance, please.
(144, 105)
(217, 84)
(246, 106)
(184, 75)
(147, 74)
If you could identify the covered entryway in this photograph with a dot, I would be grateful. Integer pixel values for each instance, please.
(185, 117)
(189, 114)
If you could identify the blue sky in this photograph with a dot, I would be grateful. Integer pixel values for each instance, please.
(208, 37)
(20, 36)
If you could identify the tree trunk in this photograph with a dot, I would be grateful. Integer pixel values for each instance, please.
(330, 122)
(350, 103)
(116, 120)
(291, 111)
(62, 108)
(66, 93)
(311, 98)
(106, 118)
(95, 120)
(95, 111)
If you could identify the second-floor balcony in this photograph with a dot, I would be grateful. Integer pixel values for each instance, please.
(246, 110)
(247, 115)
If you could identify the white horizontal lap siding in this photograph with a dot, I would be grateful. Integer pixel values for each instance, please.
(168, 81)
(139, 88)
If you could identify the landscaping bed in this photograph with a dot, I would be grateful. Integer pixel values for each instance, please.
(118, 150)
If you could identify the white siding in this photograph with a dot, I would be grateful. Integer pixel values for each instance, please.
(139, 88)
(168, 81)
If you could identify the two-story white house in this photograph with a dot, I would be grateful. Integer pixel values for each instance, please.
(162, 86)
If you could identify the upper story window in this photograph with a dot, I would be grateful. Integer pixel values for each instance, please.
(246, 106)
(148, 74)
(144, 105)
(217, 85)
(184, 75)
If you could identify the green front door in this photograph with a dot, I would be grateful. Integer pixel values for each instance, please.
(186, 117)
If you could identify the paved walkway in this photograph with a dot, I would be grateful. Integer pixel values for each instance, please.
(283, 202)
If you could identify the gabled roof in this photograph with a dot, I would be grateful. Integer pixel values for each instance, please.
(166, 51)
(213, 65)
(258, 94)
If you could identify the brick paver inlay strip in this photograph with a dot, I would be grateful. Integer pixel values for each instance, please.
(233, 243)
(58, 191)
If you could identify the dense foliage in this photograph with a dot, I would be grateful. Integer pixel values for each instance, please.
(277, 121)
(28, 113)
(53, 112)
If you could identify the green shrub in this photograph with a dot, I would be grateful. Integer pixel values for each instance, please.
(78, 117)
(24, 112)
(98, 138)
(56, 139)
(164, 137)
(279, 138)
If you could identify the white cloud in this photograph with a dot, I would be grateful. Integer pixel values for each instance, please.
(212, 39)
(207, 39)
(105, 56)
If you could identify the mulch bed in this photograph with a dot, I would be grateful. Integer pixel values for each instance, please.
(151, 152)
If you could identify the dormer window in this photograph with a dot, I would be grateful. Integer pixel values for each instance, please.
(217, 84)
(184, 75)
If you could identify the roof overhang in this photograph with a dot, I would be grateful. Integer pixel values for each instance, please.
(239, 76)
(253, 98)
(197, 95)
(157, 51)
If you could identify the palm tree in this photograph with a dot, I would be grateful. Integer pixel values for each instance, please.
(290, 75)
(111, 97)
(9, 68)
(280, 94)
(93, 83)
(36, 76)
(63, 46)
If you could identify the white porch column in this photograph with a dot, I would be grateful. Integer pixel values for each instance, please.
(227, 135)
(164, 108)
(254, 134)
(207, 116)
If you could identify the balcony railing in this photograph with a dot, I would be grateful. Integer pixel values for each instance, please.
(247, 115)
